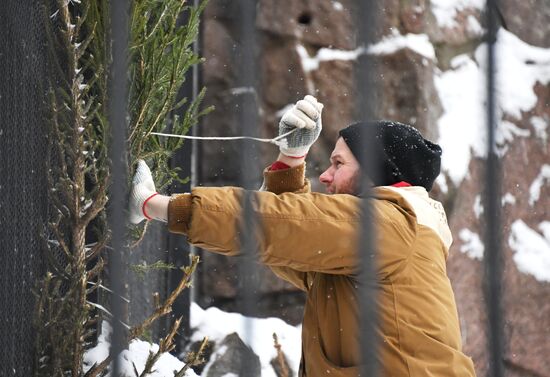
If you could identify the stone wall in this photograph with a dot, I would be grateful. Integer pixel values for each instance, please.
(294, 34)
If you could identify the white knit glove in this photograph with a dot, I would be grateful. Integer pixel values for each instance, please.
(143, 187)
(306, 116)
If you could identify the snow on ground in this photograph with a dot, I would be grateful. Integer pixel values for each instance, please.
(216, 325)
(531, 249)
(445, 11)
(136, 354)
(462, 92)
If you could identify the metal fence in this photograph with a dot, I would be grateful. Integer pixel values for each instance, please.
(19, 228)
(23, 179)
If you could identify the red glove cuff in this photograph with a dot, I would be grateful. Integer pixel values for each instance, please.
(144, 203)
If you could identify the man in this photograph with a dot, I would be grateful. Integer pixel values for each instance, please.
(311, 240)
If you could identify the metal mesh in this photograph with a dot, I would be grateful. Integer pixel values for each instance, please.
(23, 201)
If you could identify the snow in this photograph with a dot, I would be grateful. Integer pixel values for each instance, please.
(136, 354)
(471, 244)
(520, 67)
(337, 6)
(442, 183)
(420, 43)
(216, 325)
(462, 127)
(445, 11)
(508, 199)
(474, 27)
(531, 249)
(310, 63)
(388, 45)
(540, 125)
(478, 207)
(462, 123)
(536, 186)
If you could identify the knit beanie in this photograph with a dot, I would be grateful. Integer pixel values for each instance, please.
(395, 152)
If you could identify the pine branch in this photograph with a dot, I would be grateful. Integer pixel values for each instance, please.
(166, 345)
(283, 367)
(138, 330)
(166, 307)
(194, 359)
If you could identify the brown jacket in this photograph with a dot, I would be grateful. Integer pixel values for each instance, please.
(311, 240)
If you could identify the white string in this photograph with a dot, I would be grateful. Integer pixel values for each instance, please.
(279, 140)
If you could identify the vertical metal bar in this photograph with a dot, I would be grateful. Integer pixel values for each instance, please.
(366, 15)
(248, 119)
(184, 159)
(197, 78)
(118, 121)
(493, 257)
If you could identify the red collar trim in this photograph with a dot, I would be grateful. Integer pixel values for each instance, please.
(401, 184)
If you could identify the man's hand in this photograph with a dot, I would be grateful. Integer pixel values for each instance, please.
(306, 117)
(143, 188)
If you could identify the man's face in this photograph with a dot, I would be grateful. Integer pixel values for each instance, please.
(342, 176)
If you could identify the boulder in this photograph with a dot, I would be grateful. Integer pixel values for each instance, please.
(528, 19)
(233, 356)
(316, 22)
(524, 298)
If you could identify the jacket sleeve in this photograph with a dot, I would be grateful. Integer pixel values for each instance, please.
(308, 232)
(278, 182)
(286, 180)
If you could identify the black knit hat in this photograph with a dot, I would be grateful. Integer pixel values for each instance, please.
(399, 152)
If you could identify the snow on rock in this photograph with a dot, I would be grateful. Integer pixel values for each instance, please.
(445, 11)
(474, 26)
(540, 125)
(217, 324)
(531, 249)
(520, 66)
(420, 43)
(462, 126)
(310, 63)
(536, 186)
(508, 199)
(337, 6)
(442, 183)
(478, 206)
(471, 244)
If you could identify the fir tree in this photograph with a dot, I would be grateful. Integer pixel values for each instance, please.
(76, 238)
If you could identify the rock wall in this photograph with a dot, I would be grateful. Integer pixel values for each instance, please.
(308, 47)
